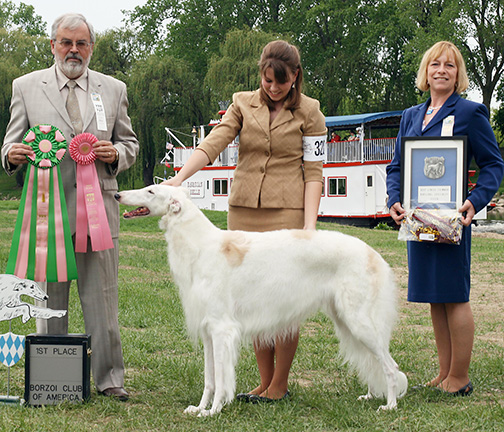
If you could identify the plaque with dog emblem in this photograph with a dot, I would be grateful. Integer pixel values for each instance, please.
(434, 181)
(433, 172)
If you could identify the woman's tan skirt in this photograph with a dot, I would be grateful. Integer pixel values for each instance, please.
(264, 219)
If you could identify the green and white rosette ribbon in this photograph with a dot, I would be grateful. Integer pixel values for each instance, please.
(42, 248)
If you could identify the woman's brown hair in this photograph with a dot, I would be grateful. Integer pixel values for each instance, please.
(282, 58)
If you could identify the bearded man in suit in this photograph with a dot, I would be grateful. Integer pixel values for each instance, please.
(41, 97)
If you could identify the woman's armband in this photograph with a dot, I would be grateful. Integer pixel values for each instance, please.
(314, 148)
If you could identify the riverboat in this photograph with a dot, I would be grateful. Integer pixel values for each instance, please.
(354, 189)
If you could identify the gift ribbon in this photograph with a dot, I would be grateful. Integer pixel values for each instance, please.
(91, 214)
(42, 247)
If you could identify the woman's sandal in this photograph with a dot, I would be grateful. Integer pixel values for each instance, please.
(464, 391)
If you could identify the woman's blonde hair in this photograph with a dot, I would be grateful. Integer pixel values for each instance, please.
(282, 58)
(436, 51)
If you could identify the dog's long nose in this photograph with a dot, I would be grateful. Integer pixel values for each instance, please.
(117, 196)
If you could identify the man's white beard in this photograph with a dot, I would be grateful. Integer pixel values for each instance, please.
(72, 69)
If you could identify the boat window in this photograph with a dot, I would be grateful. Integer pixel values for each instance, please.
(220, 187)
(337, 186)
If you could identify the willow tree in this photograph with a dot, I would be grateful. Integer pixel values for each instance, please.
(235, 68)
(115, 52)
(163, 92)
(24, 47)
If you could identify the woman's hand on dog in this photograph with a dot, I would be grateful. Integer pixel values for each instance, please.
(197, 161)
(171, 182)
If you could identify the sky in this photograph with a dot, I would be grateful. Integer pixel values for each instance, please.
(102, 14)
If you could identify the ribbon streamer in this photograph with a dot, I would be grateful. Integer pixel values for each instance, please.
(42, 247)
(91, 215)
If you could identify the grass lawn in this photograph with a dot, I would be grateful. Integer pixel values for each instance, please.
(165, 371)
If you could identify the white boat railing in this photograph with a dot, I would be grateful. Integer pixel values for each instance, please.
(181, 155)
(229, 157)
(379, 149)
(372, 149)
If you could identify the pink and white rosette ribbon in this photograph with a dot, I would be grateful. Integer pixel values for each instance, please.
(91, 212)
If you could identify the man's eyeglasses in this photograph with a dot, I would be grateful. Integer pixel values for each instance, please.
(67, 43)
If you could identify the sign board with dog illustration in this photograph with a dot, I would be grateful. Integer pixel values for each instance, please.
(12, 346)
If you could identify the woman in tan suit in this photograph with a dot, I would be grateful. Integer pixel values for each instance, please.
(278, 179)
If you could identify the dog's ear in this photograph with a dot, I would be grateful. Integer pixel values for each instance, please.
(178, 197)
(175, 206)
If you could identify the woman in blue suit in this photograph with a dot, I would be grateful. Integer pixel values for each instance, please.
(439, 274)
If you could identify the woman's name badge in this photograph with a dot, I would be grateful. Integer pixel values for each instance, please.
(314, 148)
(101, 119)
(448, 123)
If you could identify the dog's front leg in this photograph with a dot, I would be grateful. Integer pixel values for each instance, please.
(209, 389)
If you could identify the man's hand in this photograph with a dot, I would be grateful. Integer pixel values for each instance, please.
(18, 152)
(105, 151)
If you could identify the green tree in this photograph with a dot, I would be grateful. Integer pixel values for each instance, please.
(498, 125)
(481, 33)
(235, 68)
(475, 26)
(341, 63)
(23, 48)
(358, 55)
(498, 117)
(21, 17)
(352, 53)
(163, 92)
(194, 29)
(114, 53)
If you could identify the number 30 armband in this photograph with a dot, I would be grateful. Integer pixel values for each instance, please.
(314, 148)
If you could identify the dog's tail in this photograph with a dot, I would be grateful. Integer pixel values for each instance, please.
(371, 360)
(364, 327)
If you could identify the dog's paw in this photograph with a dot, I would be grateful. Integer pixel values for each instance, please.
(191, 409)
(388, 407)
(212, 411)
(365, 397)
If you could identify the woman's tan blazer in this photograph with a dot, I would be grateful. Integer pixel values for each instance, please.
(271, 172)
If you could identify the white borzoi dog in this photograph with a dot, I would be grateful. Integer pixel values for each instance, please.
(236, 284)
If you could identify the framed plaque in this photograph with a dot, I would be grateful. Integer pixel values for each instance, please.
(434, 172)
